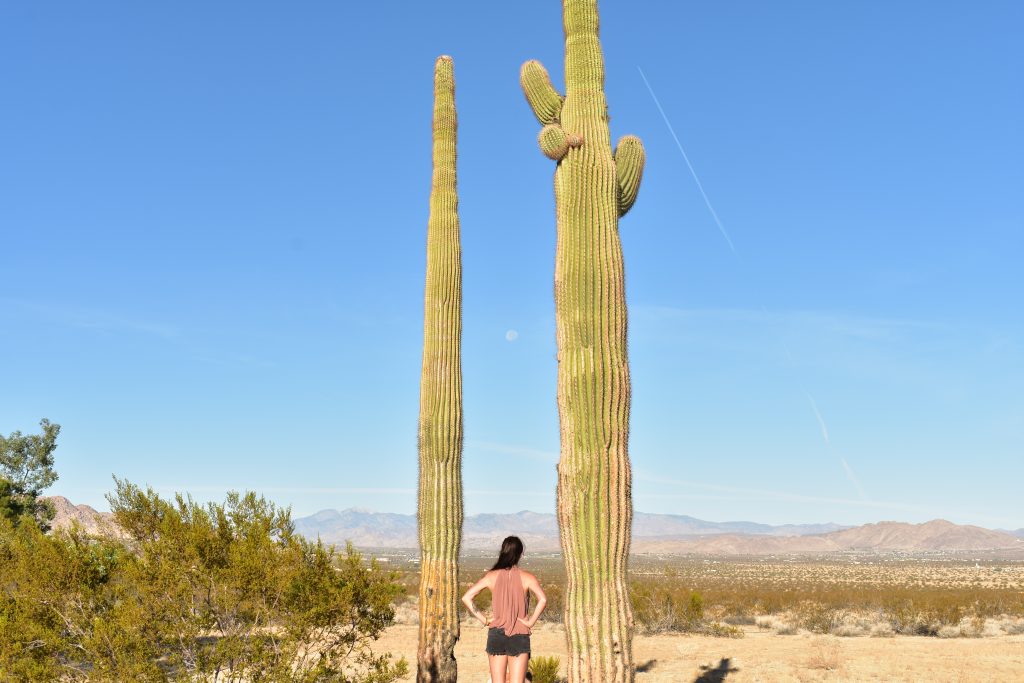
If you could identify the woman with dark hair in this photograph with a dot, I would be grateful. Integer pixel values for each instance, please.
(508, 638)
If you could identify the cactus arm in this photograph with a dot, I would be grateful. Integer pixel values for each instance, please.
(555, 142)
(593, 188)
(629, 169)
(544, 100)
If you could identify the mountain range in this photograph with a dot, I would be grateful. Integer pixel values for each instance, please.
(652, 533)
(538, 531)
(670, 534)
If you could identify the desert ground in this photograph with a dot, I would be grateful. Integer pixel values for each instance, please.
(799, 619)
(767, 657)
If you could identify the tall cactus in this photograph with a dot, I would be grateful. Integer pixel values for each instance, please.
(440, 426)
(594, 187)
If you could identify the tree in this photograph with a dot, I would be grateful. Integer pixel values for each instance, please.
(26, 469)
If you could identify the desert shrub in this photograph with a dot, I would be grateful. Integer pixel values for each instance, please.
(695, 607)
(545, 669)
(780, 624)
(817, 617)
(825, 654)
(194, 592)
(554, 612)
(720, 630)
(1011, 626)
(882, 629)
(65, 608)
(740, 620)
(821, 597)
(660, 606)
(949, 632)
(852, 624)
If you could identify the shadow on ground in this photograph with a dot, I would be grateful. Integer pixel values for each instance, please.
(646, 666)
(717, 674)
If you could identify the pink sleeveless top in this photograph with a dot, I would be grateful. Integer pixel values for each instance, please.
(508, 600)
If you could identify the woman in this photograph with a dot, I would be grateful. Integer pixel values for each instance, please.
(508, 638)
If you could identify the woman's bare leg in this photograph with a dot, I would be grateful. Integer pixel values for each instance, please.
(498, 665)
(517, 668)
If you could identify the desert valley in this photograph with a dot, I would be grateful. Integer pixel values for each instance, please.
(742, 601)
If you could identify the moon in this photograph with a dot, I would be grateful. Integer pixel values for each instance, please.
(511, 336)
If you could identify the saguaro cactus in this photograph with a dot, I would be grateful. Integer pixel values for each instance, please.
(440, 427)
(593, 188)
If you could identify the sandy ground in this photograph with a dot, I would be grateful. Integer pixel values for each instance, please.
(767, 657)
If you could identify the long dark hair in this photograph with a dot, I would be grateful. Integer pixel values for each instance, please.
(511, 551)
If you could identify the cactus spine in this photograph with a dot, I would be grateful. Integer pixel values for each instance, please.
(594, 186)
(440, 425)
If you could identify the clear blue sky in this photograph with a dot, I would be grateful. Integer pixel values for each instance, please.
(213, 224)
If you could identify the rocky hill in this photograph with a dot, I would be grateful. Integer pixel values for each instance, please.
(90, 520)
(937, 534)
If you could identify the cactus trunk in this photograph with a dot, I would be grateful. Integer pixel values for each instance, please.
(593, 188)
(440, 425)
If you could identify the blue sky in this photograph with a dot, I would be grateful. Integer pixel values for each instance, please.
(213, 224)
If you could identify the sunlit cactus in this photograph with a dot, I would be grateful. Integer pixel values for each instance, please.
(594, 186)
(440, 428)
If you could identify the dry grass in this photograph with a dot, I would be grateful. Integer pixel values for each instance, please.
(875, 597)
(802, 620)
(869, 596)
(825, 654)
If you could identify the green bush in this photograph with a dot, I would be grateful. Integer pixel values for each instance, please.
(660, 606)
(545, 669)
(192, 591)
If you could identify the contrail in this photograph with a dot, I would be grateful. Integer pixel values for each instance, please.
(821, 420)
(714, 214)
(853, 477)
(682, 151)
(824, 432)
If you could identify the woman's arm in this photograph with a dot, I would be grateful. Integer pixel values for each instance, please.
(467, 599)
(533, 585)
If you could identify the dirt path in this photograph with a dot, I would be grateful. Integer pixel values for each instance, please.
(769, 658)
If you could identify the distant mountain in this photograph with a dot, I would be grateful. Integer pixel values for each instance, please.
(668, 534)
(363, 528)
(91, 521)
(652, 533)
(1019, 533)
(646, 524)
(937, 534)
(539, 531)
(934, 536)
